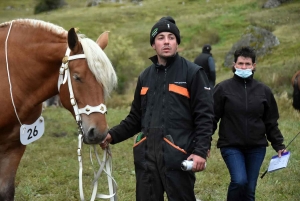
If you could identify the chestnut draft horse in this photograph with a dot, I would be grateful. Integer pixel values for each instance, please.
(296, 90)
(37, 61)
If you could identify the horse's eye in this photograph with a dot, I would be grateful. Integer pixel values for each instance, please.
(76, 77)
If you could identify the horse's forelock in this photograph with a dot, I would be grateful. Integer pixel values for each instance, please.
(99, 64)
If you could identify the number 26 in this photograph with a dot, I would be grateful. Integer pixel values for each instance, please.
(34, 133)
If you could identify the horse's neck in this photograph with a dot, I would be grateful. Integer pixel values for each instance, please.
(33, 71)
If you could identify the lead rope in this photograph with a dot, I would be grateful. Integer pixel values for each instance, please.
(107, 162)
(8, 74)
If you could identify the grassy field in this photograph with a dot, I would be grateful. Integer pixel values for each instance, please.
(49, 167)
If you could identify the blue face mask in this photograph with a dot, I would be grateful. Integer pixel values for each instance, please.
(243, 73)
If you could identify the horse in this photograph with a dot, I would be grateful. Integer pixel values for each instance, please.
(296, 90)
(39, 60)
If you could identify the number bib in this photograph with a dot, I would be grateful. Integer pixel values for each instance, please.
(33, 132)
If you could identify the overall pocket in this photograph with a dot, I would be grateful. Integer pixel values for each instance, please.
(173, 155)
(139, 151)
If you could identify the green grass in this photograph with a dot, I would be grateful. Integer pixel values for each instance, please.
(49, 167)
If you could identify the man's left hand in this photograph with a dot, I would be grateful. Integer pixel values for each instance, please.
(199, 163)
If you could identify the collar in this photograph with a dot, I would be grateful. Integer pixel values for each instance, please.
(170, 60)
(207, 53)
(248, 79)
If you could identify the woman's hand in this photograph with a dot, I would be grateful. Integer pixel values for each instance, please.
(281, 151)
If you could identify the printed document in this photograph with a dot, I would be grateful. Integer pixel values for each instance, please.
(277, 163)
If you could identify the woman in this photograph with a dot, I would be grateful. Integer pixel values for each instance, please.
(249, 114)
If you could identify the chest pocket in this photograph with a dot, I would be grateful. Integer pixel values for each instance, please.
(179, 90)
(143, 94)
(179, 103)
(144, 90)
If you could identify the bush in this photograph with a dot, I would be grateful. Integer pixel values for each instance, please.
(47, 5)
(126, 61)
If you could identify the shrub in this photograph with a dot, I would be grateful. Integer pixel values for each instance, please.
(47, 5)
(125, 59)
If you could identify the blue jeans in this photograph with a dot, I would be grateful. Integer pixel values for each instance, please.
(243, 166)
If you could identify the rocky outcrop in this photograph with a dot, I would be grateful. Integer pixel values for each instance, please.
(274, 3)
(258, 38)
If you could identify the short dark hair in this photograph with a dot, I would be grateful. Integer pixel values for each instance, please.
(245, 51)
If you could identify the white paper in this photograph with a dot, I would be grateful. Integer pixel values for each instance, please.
(277, 163)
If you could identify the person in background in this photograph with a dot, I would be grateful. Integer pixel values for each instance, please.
(249, 115)
(172, 111)
(206, 61)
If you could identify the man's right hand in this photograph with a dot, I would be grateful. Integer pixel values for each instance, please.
(105, 143)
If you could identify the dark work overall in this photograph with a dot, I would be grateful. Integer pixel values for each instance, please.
(154, 177)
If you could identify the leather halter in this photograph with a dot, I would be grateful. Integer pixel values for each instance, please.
(64, 75)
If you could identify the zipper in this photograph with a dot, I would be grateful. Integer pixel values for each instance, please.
(246, 94)
(164, 98)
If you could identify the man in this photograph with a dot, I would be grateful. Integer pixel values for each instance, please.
(206, 61)
(173, 111)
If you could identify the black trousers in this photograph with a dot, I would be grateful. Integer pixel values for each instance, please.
(155, 175)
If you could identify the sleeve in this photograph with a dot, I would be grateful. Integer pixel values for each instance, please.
(132, 123)
(271, 117)
(202, 112)
(212, 70)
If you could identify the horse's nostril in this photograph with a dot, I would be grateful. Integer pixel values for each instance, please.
(91, 134)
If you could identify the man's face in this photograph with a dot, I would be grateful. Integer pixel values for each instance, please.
(244, 63)
(165, 44)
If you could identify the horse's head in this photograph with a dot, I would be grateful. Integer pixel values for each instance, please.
(90, 78)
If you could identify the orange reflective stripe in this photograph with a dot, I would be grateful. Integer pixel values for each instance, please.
(180, 90)
(144, 90)
(142, 140)
(173, 145)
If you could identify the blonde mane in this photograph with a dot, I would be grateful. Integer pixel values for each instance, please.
(97, 60)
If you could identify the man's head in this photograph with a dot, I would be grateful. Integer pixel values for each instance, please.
(206, 48)
(165, 24)
(244, 58)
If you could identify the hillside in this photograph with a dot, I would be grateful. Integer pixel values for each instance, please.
(220, 23)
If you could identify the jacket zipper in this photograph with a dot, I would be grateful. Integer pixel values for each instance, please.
(164, 97)
(246, 110)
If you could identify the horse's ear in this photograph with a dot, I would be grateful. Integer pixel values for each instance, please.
(102, 40)
(72, 39)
